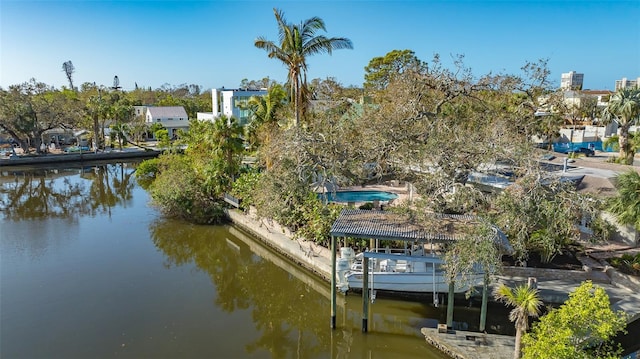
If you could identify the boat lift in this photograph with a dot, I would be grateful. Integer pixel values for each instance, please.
(381, 225)
(365, 279)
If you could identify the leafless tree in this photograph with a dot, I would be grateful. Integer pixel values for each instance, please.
(69, 69)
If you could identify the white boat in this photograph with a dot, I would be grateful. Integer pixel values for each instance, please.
(399, 271)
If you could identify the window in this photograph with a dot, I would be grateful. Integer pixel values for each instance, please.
(170, 119)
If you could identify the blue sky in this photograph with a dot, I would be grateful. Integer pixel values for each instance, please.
(210, 43)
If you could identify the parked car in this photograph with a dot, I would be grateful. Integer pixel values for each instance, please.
(577, 150)
(585, 151)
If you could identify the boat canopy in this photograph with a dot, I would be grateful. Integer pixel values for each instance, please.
(384, 225)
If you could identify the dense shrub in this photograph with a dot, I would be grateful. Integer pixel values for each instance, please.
(147, 171)
(191, 185)
(180, 193)
(318, 219)
(243, 188)
(366, 206)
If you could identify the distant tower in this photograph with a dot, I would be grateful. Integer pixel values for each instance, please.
(627, 83)
(571, 81)
(116, 83)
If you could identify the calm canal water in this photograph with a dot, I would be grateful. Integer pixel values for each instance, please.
(90, 270)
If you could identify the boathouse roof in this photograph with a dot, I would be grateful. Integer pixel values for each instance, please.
(443, 228)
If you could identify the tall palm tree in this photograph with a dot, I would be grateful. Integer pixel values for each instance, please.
(626, 204)
(526, 303)
(296, 42)
(624, 108)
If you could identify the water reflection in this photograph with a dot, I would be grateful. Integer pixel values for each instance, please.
(290, 308)
(97, 247)
(285, 311)
(27, 194)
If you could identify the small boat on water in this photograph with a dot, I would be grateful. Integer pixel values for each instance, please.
(402, 270)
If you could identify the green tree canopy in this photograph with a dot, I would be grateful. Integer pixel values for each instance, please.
(540, 215)
(264, 116)
(31, 108)
(381, 70)
(582, 327)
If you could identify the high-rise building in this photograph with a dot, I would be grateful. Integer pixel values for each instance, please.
(627, 84)
(571, 81)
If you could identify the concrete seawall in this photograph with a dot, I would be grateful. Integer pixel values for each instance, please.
(315, 258)
(77, 157)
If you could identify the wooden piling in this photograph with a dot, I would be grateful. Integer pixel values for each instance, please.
(450, 304)
(365, 294)
(333, 282)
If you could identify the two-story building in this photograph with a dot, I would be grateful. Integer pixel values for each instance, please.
(231, 103)
(173, 118)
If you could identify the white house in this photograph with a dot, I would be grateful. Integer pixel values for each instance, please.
(230, 103)
(173, 118)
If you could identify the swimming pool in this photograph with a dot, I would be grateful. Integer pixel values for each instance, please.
(359, 196)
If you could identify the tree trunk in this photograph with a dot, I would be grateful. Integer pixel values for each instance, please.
(450, 303)
(38, 145)
(37, 140)
(518, 344)
(24, 145)
(623, 143)
(296, 88)
(96, 135)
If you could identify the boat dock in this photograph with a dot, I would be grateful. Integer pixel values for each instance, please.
(460, 344)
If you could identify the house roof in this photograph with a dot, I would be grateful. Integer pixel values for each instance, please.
(597, 92)
(167, 111)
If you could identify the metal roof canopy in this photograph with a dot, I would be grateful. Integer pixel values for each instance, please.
(371, 224)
